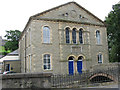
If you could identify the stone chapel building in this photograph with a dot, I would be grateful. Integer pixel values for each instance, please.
(66, 39)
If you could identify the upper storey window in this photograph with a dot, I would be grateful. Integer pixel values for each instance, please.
(98, 37)
(67, 35)
(81, 36)
(46, 34)
(74, 35)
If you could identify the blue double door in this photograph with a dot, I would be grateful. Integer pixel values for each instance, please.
(71, 67)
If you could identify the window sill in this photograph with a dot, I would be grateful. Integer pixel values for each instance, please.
(47, 43)
(72, 44)
(47, 70)
(99, 44)
(100, 63)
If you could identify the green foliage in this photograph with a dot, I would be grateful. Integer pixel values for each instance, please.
(3, 51)
(113, 31)
(13, 38)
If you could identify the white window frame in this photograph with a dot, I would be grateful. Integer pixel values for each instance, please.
(67, 39)
(98, 37)
(100, 58)
(81, 36)
(74, 29)
(46, 34)
(47, 63)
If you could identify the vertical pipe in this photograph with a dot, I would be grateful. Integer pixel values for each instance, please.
(30, 49)
(25, 53)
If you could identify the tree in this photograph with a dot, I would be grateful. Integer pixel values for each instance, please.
(3, 51)
(13, 38)
(113, 31)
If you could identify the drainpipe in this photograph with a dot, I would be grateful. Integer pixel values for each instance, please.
(25, 53)
(30, 50)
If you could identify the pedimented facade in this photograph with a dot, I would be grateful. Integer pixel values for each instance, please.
(66, 39)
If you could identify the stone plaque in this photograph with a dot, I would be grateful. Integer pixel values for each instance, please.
(76, 49)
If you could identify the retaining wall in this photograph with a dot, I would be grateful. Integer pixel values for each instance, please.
(26, 80)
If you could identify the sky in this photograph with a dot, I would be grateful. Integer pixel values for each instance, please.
(14, 14)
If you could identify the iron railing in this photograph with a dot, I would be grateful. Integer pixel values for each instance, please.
(88, 77)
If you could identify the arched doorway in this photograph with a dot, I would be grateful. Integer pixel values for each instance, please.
(71, 65)
(79, 64)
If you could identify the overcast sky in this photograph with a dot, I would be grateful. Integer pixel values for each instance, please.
(14, 14)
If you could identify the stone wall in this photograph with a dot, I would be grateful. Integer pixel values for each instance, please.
(28, 80)
(48, 80)
(58, 49)
(105, 66)
(112, 69)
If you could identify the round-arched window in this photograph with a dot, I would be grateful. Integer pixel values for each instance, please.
(46, 34)
(67, 35)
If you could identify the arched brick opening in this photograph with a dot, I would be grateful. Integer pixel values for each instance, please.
(101, 78)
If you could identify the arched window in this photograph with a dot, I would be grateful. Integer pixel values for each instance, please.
(98, 37)
(71, 58)
(99, 58)
(67, 35)
(81, 36)
(74, 35)
(46, 34)
(47, 62)
(80, 58)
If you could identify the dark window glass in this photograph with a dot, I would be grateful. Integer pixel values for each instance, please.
(47, 62)
(99, 58)
(7, 67)
(71, 58)
(98, 37)
(46, 34)
(80, 58)
(80, 36)
(74, 35)
(67, 35)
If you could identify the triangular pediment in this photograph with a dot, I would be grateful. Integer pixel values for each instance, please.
(70, 12)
